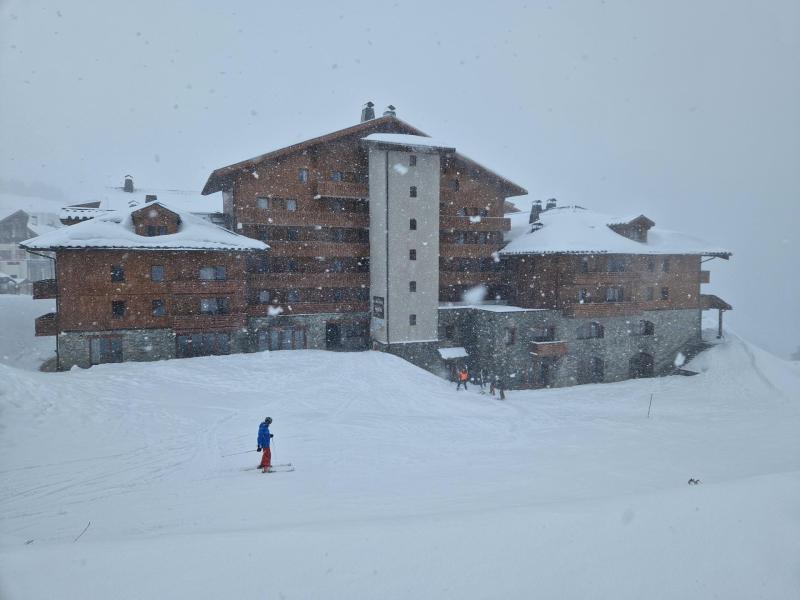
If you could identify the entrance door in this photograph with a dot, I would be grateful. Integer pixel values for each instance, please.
(642, 365)
(333, 336)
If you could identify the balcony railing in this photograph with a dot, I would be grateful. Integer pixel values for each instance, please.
(311, 248)
(469, 250)
(308, 280)
(556, 348)
(204, 322)
(44, 289)
(311, 218)
(603, 309)
(199, 286)
(342, 189)
(306, 308)
(599, 277)
(475, 223)
(47, 324)
(468, 277)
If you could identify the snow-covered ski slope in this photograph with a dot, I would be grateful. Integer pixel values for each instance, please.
(404, 488)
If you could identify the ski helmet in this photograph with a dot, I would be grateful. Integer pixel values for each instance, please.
(268, 420)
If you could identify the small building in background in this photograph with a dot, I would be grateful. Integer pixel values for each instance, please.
(21, 266)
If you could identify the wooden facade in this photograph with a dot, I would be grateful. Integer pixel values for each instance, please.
(310, 203)
(605, 285)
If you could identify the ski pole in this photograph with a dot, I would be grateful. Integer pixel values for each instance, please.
(235, 453)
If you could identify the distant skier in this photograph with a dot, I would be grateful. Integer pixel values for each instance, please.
(463, 378)
(264, 436)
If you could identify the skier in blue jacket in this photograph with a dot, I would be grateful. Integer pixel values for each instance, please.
(264, 437)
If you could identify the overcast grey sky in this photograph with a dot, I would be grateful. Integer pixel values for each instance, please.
(687, 111)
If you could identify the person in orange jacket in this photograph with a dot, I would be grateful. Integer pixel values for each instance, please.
(463, 378)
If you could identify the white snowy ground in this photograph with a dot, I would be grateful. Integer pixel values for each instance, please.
(404, 488)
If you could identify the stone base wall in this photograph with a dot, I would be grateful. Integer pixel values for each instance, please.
(314, 324)
(137, 345)
(422, 354)
(484, 334)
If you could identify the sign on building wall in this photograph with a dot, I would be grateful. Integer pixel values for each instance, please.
(377, 307)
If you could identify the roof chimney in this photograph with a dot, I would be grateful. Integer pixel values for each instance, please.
(128, 187)
(367, 112)
(551, 203)
(390, 111)
(150, 198)
(536, 210)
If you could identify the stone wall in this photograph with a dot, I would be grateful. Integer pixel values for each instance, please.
(137, 345)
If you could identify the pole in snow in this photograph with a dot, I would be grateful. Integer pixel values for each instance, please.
(651, 406)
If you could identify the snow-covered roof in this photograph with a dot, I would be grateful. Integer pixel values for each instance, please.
(114, 198)
(576, 230)
(115, 230)
(497, 308)
(450, 353)
(413, 141)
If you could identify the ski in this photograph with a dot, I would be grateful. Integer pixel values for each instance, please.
(280, 470)
(259, 467)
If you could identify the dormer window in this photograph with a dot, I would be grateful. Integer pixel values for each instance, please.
(154, 230)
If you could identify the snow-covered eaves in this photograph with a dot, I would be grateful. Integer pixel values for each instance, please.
(451, 353)
(575, 230)
(496, 308)
(114, 198)
(414, 142)
(114, 230)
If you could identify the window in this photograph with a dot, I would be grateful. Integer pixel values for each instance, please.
(665, 265)
(412, 255)
(645, 328)
(585, 264)
(291, 266)
(412, 286)
(292, 234)
(157, 273)
(665, 293)
(412, 224)
(484, 212)
(302, 175)
(117, 273)
(159, 308)
(543, 334)
(202, 344)
(282, 338)
(263, 296)
(337, 266)
(338, 295)
(583, 295)
(337, 235)
(213, 273)
(412, 160)
(336, 176)
(293, 296)
(412, 191)
(291, 204)
(337, 206)
(510, 336)
(614, 294)
(263, 234)
(118, 309)
(651, 265)
(152, 230)
(105, 350)
(412, 319)
(650, 293)
(616, 265)
(461, 212)
(214, 306)
(590, 330)
(262, 202)
(449, 332)
(454, 185)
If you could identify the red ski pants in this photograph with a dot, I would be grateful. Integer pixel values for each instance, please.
(266, 458)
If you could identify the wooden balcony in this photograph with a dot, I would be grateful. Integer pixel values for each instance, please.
(468, 250)
(709, 301)
(203, 287)
(469, 277)
(342, 189)
(44, 289)
(475, 223)
(705, 276)
(326, 249)
(306, 308)
(312, 218)
(208, 322)
(556, 348)
(308, 280)
(603, 309)
(47, 324)
(606, 277)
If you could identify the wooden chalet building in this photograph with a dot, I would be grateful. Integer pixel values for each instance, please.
(371, 237)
